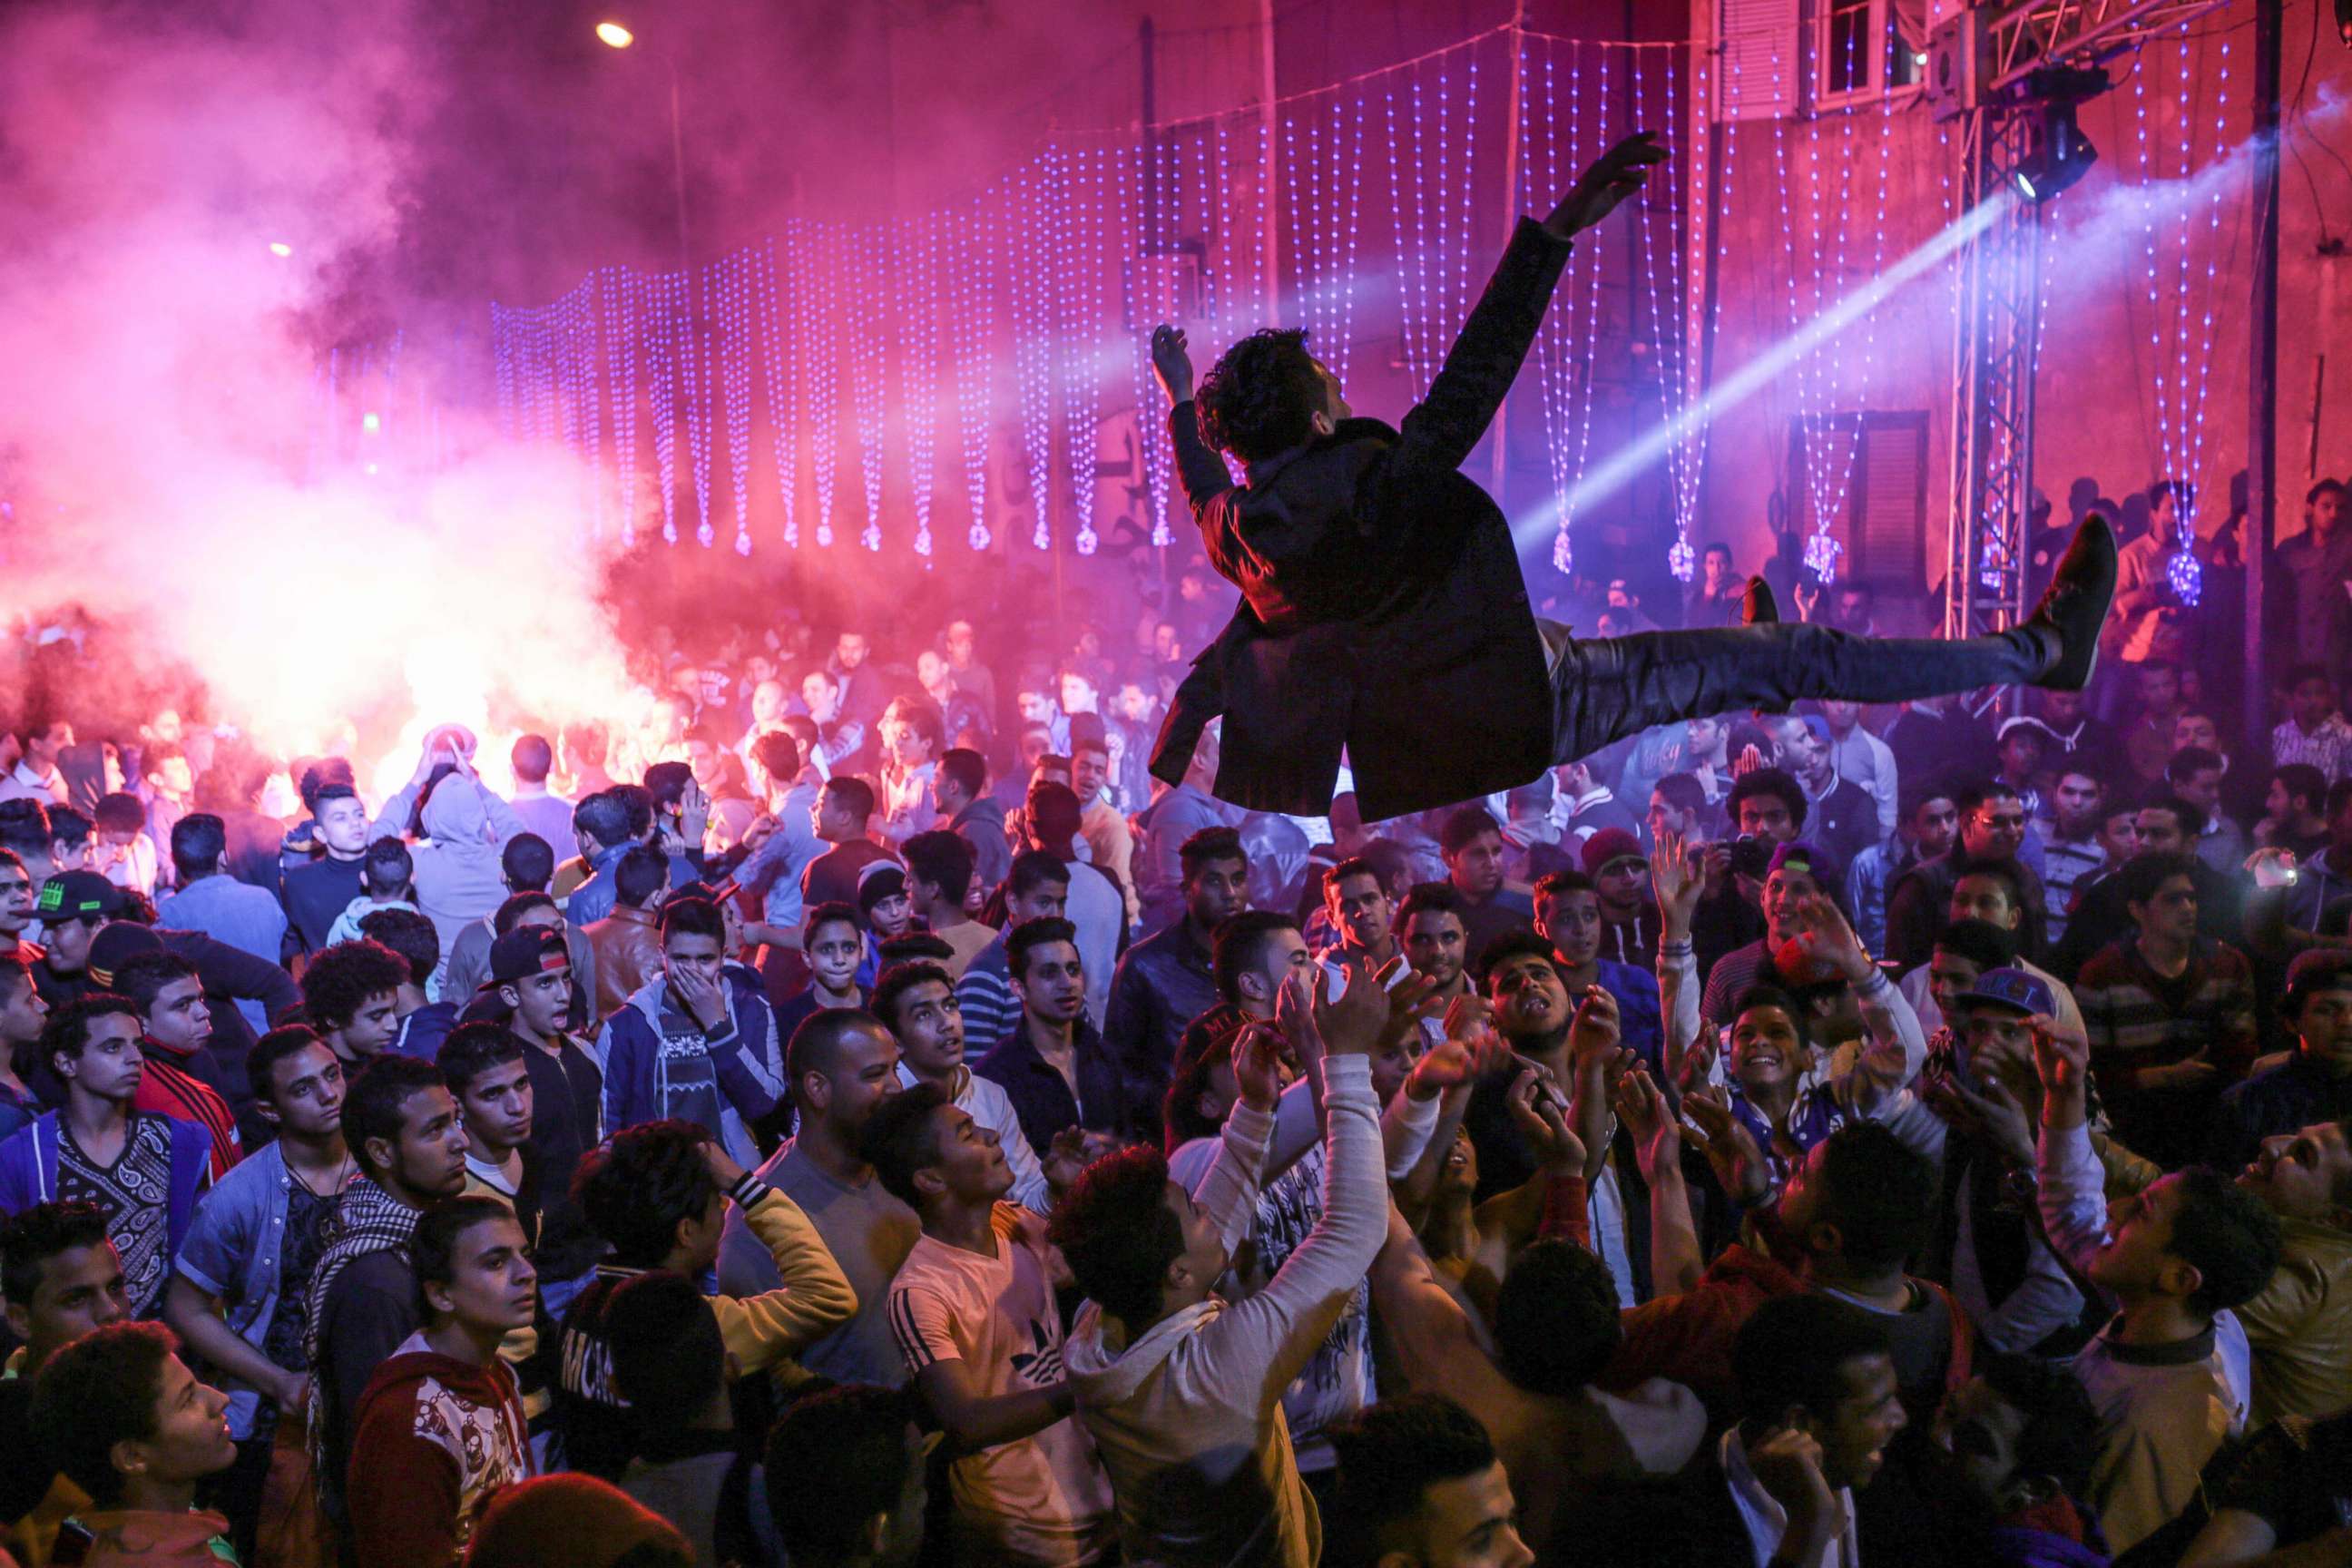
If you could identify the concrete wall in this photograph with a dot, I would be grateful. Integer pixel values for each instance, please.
(2098, 416)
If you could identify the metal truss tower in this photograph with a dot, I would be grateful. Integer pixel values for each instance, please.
(1994, 69)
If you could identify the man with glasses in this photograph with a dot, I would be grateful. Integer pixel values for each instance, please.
(1992, 828)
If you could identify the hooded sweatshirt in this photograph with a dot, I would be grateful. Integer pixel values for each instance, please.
(436, 1437)
(1187, 1415)
(659, 1062)
(459, 877)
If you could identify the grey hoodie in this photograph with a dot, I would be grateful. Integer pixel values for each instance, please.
(1187, 1417)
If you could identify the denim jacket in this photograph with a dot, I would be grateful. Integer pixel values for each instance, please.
(233, 1251)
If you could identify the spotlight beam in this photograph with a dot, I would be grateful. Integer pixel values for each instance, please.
(1621, 467)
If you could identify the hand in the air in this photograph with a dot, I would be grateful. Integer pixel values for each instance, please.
(1598, 191)
(1171, 362)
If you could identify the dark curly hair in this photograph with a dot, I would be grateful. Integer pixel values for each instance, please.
(1261, 396)
(340, 980)
(1555, 1322)
(640, 1183)
(1118, 1234)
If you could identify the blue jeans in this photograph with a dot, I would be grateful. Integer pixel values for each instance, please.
(1609, 687)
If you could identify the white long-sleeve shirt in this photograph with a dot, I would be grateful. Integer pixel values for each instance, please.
(1188, 1415)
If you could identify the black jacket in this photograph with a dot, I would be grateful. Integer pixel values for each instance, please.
(1041, 1099)
(1163, 984)
(1383, 608)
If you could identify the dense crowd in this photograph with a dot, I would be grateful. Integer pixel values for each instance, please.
(859, 1115)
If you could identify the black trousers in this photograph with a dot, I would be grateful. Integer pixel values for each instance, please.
(1609, 687)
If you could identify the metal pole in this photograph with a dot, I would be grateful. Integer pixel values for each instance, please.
(1268, 203)
(1149, 244)
(2261, 369)
(1499, 449)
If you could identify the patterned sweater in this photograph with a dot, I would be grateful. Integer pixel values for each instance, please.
(436, 1437)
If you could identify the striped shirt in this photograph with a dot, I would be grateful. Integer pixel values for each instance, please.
(2066, 864)
(171, 1090)
(985, 996)
(2137, 1018)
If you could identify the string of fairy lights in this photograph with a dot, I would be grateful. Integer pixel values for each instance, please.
(972, 360)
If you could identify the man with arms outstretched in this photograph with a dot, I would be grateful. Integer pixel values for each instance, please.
(1383, 612)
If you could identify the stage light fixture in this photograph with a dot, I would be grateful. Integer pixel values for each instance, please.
(2057, 154)
(615, 36)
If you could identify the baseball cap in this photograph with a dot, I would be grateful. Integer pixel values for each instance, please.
(1818, 864)
(2012, 988)
(527, 951)
(116, 944)
(1608, 844)
(2026, 721)
(77, 895)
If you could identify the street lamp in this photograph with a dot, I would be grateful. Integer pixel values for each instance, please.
(613, 35)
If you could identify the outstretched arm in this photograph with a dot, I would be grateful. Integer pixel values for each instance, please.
(1485, 360)
(1202, 471)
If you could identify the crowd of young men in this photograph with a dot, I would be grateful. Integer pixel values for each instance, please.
(864, 1118)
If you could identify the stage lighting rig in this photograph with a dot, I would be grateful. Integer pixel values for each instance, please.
(2057, 153)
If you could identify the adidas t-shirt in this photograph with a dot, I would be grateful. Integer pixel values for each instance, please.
(1042, 1499)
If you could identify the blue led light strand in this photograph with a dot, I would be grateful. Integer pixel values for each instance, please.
(619, 290)
(783, 378)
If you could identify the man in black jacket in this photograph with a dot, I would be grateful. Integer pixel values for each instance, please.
(1166, 981)
(1383, 612)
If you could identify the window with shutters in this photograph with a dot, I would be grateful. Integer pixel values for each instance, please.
(1758, 46)
(1863, 48)
(1871, 471)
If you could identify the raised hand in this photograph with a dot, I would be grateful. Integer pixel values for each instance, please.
(1749, 760)
(1642, 1107)
(705, 996)
(1470, 1050)
(1616, 175)
(1697, 1069)
(1824, 935)
(721, 1165)
(1989, 1113)
(1787, 1465)
(1594, 1030)
(1731, 1151)
(1294, 1014)
(1535, 1107)
(2271, 868)
(1356, 1023)
(1678, 876)
(2062, 1055)
(1257, 1066)
(1171, 362)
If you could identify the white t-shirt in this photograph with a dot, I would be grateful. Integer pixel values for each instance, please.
(1042, 1499)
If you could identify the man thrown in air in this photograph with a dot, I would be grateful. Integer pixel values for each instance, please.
(1382, 608)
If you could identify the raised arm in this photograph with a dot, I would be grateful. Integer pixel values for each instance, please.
(813, 1296)
(2073, 1189)
(1439, 433)
(1203, 472)
(1678, 872)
